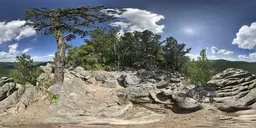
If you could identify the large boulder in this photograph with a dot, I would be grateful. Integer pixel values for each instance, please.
(129, 80)
(137, 94)
(49, 68)
(235, 89)
(88, 101)
(156, 87)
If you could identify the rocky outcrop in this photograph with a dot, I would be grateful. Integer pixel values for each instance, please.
(45, 79)
(156, 87)
(17, 96)
(235, 89)
(85, 98)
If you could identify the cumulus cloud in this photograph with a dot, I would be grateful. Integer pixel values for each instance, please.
(216, 51)
(26, 50)
(245, 57)
(10, 55)
(14, 30)
(138, 20)
(13, 48)
(192, 56)
(253, 56)
(43, 58)
(246, 37)
(250, 57)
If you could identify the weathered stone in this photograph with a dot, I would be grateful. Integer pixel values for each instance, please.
(137, 94)
(110, 84)
(6, 90)
(81, 73)
(129, 80)
(31, 94)
(48, 68)
(235, 89)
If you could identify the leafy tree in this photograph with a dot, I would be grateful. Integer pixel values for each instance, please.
(174, 53)
(98, 52)
(64, 24)
(24, 70)
(134, 50)
(140, 50)
(200, 71)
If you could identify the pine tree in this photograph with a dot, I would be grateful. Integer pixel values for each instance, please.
(64, 24)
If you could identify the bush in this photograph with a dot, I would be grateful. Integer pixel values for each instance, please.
(200, 71)
(24, 70)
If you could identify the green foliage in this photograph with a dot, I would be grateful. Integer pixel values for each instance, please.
(104, 50)
(70, 21)
(55, 98)
(24, 70)
(97, 53)
(174, 54)
(140, 50)
(65, 24)
(199, 71)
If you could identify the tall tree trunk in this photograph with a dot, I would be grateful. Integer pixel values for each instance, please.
(59, 58)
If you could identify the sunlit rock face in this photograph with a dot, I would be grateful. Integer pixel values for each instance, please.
(235, 89)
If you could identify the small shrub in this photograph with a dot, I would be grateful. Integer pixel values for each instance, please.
(55, 99)
(200, 71)
(24, 70)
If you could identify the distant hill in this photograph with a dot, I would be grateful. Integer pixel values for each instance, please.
(221, 65)
(6, 67)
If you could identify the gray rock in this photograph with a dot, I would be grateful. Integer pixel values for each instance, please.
(6, 90)
(4, 80)
(30, 95)
(81, 73)
(137, 94)
(234, 89)
(110, 84)
(45, 80)
(129, 80)
(48, 68)
(185, 103)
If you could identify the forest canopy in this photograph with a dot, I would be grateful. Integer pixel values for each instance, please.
(133, 50)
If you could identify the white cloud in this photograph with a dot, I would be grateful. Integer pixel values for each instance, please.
(250, 57)
(246, 37)
(14, 30)
(43, 58)
(243, 57)
(13, 48)
(26, 50)
(192, 56)
(10, 55)
(216, 51)
(138, 20)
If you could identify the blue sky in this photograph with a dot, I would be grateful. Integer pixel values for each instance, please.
(225, 28)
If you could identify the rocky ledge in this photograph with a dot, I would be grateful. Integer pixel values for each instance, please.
(128, 97)
(235, 89)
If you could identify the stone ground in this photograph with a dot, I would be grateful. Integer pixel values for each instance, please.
(209, 118)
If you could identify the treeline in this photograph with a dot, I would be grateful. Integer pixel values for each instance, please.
(136, 50)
